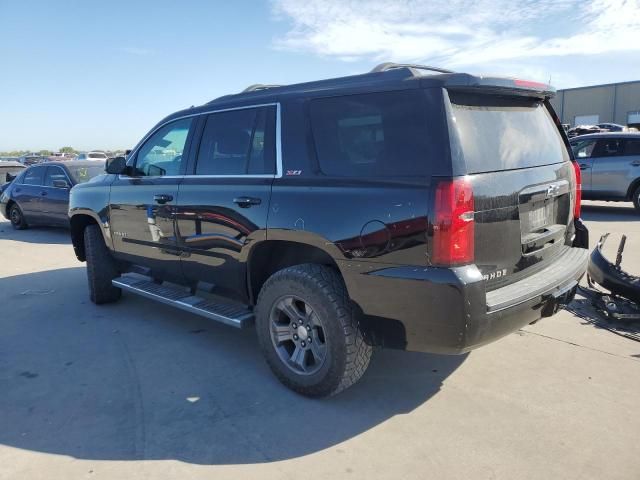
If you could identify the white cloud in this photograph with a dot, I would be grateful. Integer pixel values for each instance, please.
(458, 32)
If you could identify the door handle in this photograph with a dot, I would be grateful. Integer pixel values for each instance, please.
(44, 193)
(246, 202)
(162, 198)
(584, 166)
(636, 163)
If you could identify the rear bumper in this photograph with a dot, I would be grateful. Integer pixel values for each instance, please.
(448, 310)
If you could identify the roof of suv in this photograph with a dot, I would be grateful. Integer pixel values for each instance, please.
(69, 163)
(385, 76)
(635, 135)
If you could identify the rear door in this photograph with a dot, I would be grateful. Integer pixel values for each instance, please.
(223, 204)
(609, 168)
(55, 200)
(28, 194)
(522, 178)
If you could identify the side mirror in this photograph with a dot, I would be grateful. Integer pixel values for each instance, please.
(60, 184)
(9, 178)
(116, 165)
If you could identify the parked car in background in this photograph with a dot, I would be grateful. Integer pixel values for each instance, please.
(420, 211)
(32, 159)
(610, 165)
(612, 127)
(9, 169)
(582, 130)
(100, 156)
(40, 194)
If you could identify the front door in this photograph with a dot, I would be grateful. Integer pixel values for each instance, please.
(28, 194)
(223, 204)
(142, 206)
(582, 151)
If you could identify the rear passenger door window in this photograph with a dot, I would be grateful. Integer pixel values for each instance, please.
(373, 135)
(238, 142)
(632, 148)
(610, 147)
(34, 176)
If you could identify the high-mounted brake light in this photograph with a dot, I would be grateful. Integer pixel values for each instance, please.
(530, 84)
(453, 223)
(578, 195)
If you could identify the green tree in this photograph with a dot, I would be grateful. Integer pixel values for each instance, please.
(45, 153)
(67, 150)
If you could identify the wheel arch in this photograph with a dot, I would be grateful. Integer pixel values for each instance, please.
(632, 188)
(77, 223)
(269, 256)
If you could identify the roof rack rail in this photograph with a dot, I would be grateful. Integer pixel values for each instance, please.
(383, 67)
(258, 86)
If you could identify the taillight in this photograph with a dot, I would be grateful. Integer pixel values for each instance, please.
(578, 196)
(453, 225)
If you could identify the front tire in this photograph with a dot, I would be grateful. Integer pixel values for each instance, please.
(636, 199)
(308, 331)
(17, 218)
(101, 267)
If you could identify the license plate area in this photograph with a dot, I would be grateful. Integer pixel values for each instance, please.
(543, 216)
(537, 217)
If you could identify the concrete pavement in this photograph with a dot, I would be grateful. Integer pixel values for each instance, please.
(138, 390)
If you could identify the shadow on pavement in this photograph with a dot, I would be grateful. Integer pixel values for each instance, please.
(50, 235)
(137, 380)
(612, 212)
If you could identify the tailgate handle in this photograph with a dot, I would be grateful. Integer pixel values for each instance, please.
(584, 166)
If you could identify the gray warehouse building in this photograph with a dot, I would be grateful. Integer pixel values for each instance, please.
(610, 103)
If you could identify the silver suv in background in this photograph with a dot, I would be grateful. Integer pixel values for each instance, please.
(610, 164)
(101, 156)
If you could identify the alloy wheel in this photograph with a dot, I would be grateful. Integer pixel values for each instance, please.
(298, 335)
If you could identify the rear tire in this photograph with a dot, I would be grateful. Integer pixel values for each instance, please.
(101, 267)
(636, 198)
(308, 331)
(16, 217)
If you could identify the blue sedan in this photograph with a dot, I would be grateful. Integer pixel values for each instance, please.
(40, 194)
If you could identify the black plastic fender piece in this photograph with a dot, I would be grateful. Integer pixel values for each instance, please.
(612, 277)
(581, 239)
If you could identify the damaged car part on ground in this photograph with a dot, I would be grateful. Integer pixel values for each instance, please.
(611, 275)
(614, 310)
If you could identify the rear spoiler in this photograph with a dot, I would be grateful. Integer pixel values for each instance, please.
(511, 86)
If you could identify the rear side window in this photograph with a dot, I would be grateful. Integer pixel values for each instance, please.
(383, 134)
(505, 132)
(609, 147)
(632, 147)
(238, 142)
(34, 176)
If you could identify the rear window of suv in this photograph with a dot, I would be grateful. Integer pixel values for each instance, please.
(384, 134)
(505, 132)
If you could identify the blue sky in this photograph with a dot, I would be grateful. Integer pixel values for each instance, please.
(96, 74)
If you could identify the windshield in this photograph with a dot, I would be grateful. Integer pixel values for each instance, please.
(505, 132)
(83, 174)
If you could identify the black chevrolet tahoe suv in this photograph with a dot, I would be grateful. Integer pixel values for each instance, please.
(408, 207)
